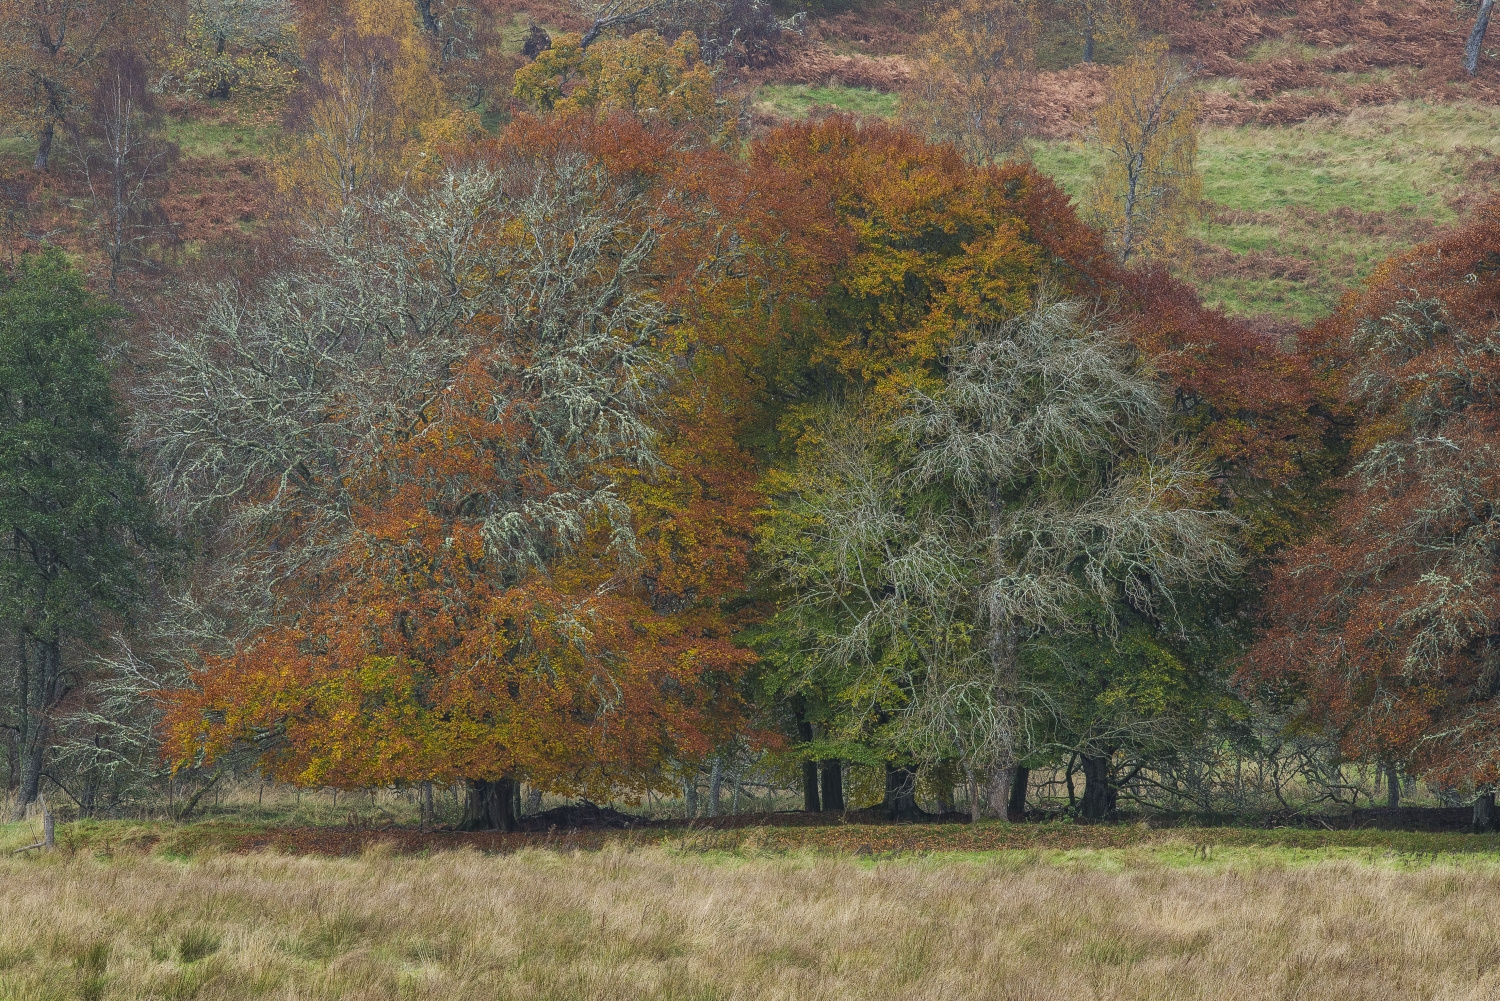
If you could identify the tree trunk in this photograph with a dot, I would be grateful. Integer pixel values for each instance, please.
(1088, 37)
(1392, 787)
(1484, 812)
(810, 802)
(426, 806)
(901, 793)
(429, 23)
(491, 805)
(1099, 795)
(715, 786)
(533, 802)
(833, 785)
(997, 790)
(1015, 810)
(809, 769)
(31, 772)
(690, 798)
(44, 145)
(1476, 37)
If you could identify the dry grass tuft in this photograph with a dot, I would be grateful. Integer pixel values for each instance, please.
(634, 924)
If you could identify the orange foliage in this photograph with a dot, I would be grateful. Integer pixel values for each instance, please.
(940, 245)
(1384, 624)
(411, 658)
(836, 253)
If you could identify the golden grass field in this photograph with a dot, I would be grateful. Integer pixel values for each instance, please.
(1178, 918)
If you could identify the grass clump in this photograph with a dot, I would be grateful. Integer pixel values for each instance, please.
(225, 137)
(798, 100)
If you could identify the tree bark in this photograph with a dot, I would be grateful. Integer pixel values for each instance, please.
(44, 145)
(810, 802)
(1392, 787)
(901, 793)
(429, 23)
(1088, 37)
(31, 772)
(833, 784)
(1484, 812)
(426, 806)
(1015, 809)
(715, 786)
(997, 790)
(491, 805)
(690, 798)
(1476, 37)
(1099, 796)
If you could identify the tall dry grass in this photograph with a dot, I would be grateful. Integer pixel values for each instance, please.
(652, 924)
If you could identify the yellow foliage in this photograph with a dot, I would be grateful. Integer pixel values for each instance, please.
(1147, 190)
(232, 45)
(974, 68)
(376, 112)
(640, 75)
(1099, 20)
(414, 80)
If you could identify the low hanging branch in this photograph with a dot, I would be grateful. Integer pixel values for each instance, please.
(614, 13)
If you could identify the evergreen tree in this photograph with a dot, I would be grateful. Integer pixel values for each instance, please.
(71, 512)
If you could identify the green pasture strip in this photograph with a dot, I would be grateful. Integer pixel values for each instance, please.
(798, 100)
(195, 137)
(1335, 196)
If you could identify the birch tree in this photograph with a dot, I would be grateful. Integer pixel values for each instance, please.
(1147, 189)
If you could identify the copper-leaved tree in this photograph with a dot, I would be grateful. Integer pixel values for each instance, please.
(441, 464)
(1383, 628)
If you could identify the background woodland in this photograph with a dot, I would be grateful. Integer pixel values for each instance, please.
(717, 405)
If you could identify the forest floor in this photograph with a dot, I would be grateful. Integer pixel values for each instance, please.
(997, 911)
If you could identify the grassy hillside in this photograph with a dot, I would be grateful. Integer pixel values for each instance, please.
(1296, 213)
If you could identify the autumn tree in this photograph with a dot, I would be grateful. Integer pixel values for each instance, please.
(640, 75)
(1095, 20)
(970, 89)
(48, 52)
(372, 111)
(940, 249)
(1381, 628)
(484, 545)
(124, 159)
(1147, 189)
(223, 45)
(72, 506)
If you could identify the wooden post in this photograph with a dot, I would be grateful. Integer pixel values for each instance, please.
(49, 828)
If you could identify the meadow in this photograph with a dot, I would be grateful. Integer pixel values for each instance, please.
(1182, 914)
(1294, 215)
